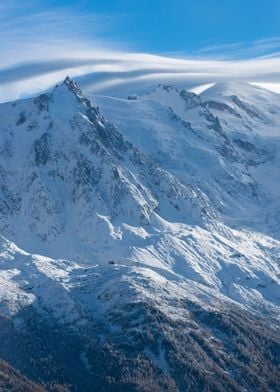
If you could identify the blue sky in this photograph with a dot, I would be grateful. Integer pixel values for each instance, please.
(164, 26)
(111, 43)
(190, 25)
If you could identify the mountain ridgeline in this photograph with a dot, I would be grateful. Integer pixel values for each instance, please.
(140, 241)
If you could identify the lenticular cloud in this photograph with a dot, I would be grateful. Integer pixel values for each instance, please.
(119, 73)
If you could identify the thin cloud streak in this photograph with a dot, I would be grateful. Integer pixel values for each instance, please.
(260, 48)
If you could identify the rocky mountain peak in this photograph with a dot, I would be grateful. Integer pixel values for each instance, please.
(72, 86)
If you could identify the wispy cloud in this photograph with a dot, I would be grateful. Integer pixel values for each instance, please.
(267, 47)
(32, 31)
(39, 48)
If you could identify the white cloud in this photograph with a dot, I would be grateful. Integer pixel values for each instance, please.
(39, 48)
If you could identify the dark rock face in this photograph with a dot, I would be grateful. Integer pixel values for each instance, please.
(42, 150)
(21, 119)
(250, 110)
(191, 99)
(221, 107)
(42, 102)
(245, 145)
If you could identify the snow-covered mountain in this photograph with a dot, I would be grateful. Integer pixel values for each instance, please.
(227, 146)
(143, 254)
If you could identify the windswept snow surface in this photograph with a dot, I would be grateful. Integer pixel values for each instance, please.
(180, 201)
